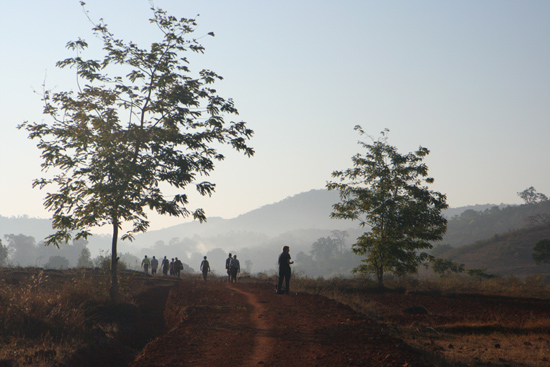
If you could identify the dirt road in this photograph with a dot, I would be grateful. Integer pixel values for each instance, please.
(246, 324)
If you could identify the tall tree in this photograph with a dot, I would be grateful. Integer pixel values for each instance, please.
(139, 121)
(387, 191)
(531, 196)
(340, 237)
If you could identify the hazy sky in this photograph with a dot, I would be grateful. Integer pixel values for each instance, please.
(470, 80)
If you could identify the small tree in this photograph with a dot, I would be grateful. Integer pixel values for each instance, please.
(541, 252)
(387, 191)
(149, 123)
(531, 196)
(85, 259)
(443, 267)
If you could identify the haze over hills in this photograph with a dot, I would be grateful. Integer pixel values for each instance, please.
(297, 221)
(308, 211)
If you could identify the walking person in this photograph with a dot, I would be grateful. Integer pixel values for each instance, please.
(145, 264)
(178, 267)
(205, 268)
(227, 267)
(234, 269)
(171, 268)
(154, 266)
(284, 270)
(165, 266)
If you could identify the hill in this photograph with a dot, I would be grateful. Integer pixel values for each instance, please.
(474, 225)
(504, 254)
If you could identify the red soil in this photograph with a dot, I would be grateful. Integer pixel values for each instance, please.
(247, 324)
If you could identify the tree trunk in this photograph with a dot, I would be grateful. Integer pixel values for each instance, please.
(114, 265)
(380, 277)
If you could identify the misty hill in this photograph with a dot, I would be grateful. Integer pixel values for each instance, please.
(504, 254)
(472, 225)
(306, 211)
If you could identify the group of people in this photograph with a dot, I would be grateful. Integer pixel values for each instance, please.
(168, 268)
(233, 268)
(232, 265)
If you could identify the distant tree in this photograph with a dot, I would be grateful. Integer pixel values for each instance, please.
(22, 249)
(324, 248)
(340, 237)
(531, 196)
(3, 254)
(541, 252)
(57, 262)
(85, 259)
(444, 267)
(121, 138)
(387, 191)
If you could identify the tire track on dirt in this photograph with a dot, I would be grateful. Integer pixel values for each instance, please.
(263, 340)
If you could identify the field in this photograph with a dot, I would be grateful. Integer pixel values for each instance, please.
(62, 318)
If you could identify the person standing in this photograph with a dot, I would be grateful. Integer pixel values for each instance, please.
(227, 267)
(165, 266)
(284, 270)
(154, 265)
(205, 268)
(234, 269)
(145, 264)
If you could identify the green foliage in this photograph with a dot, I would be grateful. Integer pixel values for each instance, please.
(121, 137)
(541, 252)
(388, 191)
(444, 267)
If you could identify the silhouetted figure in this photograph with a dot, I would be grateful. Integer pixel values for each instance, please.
(165, 265)
(284, 270)
(145, 264)
(205, 268)
(178, 267)
(171, 267)
(234, 269)
(154, 265)
(227, 267)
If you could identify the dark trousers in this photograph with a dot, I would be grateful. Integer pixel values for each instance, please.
(284, 273)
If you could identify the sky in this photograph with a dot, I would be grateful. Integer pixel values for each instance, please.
(469, 80)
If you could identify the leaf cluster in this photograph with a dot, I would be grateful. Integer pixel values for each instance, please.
(139, 120)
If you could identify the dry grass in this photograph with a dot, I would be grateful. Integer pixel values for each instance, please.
(46, 315)
(487, 336)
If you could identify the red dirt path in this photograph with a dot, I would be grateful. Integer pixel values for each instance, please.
(246, 324)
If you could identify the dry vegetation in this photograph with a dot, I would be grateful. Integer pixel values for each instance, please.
(468, 322)
(49, 317)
